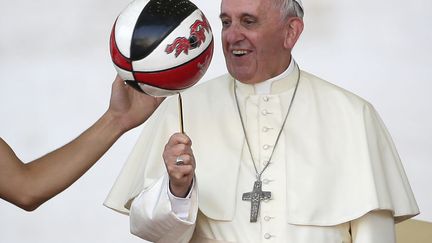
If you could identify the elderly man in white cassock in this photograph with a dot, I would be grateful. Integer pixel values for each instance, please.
(279, 155)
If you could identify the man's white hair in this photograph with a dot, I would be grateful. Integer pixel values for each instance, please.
(289, 8)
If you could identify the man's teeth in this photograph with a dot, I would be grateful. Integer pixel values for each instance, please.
(239, 52)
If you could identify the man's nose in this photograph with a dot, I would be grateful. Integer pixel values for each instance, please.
(233, 34)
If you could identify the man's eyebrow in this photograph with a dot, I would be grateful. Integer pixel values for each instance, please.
(249, 15)
(224, 15)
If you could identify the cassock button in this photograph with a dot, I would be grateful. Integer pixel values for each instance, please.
(266, 146)
(267, 236)
(265, 112)
(267, 218)
(265, 129)
(266, 181)
(266, 98)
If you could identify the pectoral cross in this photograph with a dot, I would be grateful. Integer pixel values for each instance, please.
(256, 196)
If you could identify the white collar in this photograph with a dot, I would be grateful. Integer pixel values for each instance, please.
(264, 87)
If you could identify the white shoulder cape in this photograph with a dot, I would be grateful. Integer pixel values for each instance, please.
(341, 160)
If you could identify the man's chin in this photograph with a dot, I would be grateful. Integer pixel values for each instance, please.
(242, 76)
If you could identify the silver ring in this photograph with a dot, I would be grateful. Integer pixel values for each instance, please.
(179, 161)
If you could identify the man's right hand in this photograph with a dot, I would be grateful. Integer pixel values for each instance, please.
(179, 147)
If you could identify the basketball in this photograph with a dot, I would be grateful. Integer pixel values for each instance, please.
(161, 47)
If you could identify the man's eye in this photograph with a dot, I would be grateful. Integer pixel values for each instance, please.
(225, 23)
(249, 21)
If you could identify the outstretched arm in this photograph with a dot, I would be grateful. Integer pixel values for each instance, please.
(31, 184)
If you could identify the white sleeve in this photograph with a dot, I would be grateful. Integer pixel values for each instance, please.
(374, 227)
(181, 206)
(152, 217)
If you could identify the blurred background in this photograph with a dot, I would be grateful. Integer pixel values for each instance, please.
(56, 75)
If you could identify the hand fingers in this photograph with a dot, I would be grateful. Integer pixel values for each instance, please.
(180, 174)
(178, 153)
(184, 159)
(178, 150)
(180, 163)
(180, 138)
(181, 171)
(181, 178)
(173, 163)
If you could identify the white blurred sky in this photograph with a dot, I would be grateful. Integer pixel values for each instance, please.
(56, 74)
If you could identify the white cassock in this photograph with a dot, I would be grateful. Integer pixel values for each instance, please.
(335, 175)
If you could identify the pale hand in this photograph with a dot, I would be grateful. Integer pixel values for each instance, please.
(180, 176)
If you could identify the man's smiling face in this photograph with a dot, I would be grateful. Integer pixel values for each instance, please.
(253, 36)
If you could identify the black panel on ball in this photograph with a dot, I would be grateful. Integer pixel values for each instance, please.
(157, 20)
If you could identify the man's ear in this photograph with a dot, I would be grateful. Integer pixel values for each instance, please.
(293, 30)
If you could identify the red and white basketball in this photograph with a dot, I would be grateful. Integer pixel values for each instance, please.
(161, 47)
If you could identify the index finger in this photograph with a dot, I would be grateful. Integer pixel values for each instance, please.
(180, 138)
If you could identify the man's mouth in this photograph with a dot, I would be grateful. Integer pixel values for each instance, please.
(239, 53)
